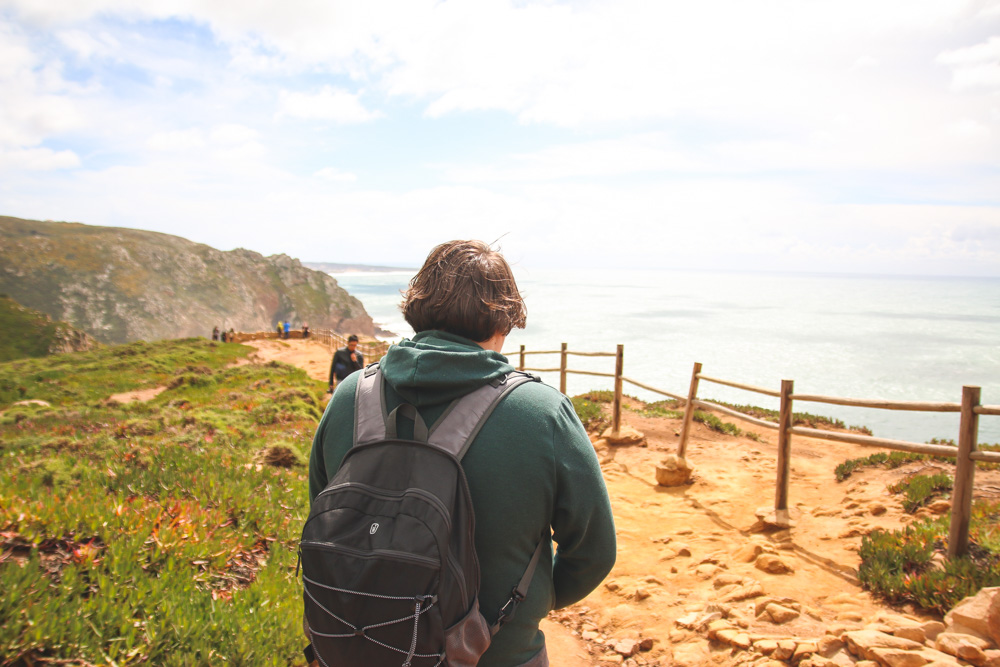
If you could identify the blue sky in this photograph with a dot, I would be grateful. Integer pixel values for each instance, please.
(841, 136)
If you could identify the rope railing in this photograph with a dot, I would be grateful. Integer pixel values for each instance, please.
(965, 454)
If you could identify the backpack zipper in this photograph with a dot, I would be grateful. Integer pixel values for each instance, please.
(388, 554)
(375, 491)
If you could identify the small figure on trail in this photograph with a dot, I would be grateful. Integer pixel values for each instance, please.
(305, 331)
(280, 328)
(215, 333)
(224, 336)
(346, 360)
(288, 327)
(231, 335)
(536, 489)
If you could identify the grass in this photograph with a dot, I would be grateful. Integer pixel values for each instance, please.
(160, 532)
(908, 565)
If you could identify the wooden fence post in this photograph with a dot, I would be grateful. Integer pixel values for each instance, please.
(784, 446)
(689, 411)
(521, 366)
(562, 369)
(616, 414)
(965, 470)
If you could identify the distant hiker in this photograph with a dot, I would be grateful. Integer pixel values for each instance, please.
(224, 336)
(305, 331)
(215, 333)
(232, 334)
(346, 360)
(288, 327)
(280, 328)
(531, 471)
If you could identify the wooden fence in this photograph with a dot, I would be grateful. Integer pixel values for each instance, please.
(965, 455)
(372, 350)
(564, 369)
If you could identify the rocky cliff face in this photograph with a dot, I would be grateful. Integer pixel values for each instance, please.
(121, 285)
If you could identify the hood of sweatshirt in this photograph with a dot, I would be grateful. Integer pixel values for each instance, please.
(438, 367)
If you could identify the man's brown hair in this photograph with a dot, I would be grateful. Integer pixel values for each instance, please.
(467, 289)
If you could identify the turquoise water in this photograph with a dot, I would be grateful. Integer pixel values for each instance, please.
(901, 338)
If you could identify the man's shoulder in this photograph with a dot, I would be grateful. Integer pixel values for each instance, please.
(535, 398)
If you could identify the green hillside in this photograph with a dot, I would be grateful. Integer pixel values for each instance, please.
(29, 333)
(120, 285)
(159, 532)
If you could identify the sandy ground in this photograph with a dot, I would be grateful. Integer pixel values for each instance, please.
(677, 544)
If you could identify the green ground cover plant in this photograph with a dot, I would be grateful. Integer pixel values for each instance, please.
(589, 412)
(920, 489)
(909, 565)
(671, 409)
(161, 532)
(892, 460)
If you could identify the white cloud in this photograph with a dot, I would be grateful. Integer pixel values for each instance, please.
(335, 175)
(86, 45)
(232, 133)
(38, 159)
(329, 103)
(176, 140)
(976, 66)
(652, 152)
(667, 123)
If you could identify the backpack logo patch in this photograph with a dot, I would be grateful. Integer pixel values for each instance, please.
(373, 529)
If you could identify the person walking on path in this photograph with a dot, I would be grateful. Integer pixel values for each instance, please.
(215, 333)
(345, 361)
(280, 328)
(288, 327)
(531, 470)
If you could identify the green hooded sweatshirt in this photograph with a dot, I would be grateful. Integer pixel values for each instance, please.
(532, 473)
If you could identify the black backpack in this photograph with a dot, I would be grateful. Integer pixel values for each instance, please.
(390, 572)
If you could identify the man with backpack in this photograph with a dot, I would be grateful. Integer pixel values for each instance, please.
(383, 551)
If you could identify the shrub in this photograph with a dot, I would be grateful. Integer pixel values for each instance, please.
(889, 460)
(919, 489)
(716, 424)
(589, 413)
(908, 565)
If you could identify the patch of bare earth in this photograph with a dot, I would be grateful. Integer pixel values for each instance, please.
(141, 395)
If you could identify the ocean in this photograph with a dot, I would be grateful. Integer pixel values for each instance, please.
(898, 338)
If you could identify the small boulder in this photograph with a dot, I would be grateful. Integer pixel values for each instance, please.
(772, 564)
(894, 657)
(973, 612)
(626, 647)
(779, 614)
(786, 649)
(626, 435)
(748, 553)
(673, 471)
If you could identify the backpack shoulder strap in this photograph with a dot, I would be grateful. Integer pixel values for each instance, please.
(464, 418)
(370, 415)
(372, 421)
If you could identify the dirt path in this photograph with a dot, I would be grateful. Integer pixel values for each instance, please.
(685, 549)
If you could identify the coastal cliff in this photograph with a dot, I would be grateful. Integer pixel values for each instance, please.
(121, 285)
